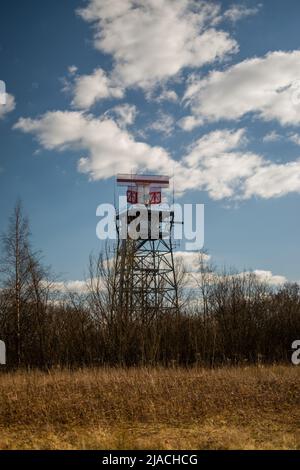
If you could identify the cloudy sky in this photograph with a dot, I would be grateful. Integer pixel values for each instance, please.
(208, 91)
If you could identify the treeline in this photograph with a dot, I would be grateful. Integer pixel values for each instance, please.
(223, 318)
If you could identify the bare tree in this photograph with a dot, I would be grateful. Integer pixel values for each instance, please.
(15, 266)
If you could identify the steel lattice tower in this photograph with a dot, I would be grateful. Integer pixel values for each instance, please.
(145, 269)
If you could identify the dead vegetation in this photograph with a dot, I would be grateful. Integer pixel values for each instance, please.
(227, 408)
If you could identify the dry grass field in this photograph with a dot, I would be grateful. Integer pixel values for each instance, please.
(227, 408)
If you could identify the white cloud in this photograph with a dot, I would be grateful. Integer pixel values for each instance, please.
(268, 87)
(167, 95)
(273, 180)
(237, 12)
(223, 176)
(272, 136)
(269, 277)
(72, 69)
(164, 124)
(8, 106)
(191, 260)
(216, 163)
(295, 138)
(154, 40)
(214, 144)
(79, 287)
(219, 164)
(196, 263)
(160, 94)
(88, 89)
(188, 123)
(124, 114)
(110, 149)
(263, 276)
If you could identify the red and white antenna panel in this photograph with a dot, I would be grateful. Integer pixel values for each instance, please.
(143, 189)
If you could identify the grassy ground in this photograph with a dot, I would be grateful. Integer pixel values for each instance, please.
(228, 408)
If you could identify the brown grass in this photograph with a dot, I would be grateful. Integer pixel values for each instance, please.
(228, 408)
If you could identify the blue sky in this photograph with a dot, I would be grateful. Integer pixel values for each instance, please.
(208, 90)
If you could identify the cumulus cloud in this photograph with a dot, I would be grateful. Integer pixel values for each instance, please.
(220, 164)
(273, 180)
(269, 277)
(88, 89)
(214, 144)
(110, 149)
(8, 106)
(154, 40)
(124, 114)
(188, 123)
(217, 163)
(267, 86)
(196, 263)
